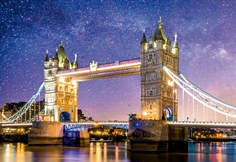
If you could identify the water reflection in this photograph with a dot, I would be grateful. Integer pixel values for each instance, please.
(109, 152)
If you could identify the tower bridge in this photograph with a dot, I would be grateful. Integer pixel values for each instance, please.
(161, 80)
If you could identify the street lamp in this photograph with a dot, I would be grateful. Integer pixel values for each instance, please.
(171, 83)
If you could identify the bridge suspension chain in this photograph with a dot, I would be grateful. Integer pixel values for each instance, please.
(34, 117)
(201, 96)
(24, 109)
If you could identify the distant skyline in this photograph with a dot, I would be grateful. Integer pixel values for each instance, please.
(107, 31)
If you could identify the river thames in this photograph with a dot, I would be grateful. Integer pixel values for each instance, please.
(115, 152)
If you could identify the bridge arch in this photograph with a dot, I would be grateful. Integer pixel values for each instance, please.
(169, 113)
(64, 117)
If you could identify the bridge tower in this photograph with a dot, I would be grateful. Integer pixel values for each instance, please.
(61, 93)
(158, 92)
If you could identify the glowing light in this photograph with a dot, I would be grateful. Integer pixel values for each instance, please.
(170, 83)
(73, 82)
(61, 79)
(144, 113)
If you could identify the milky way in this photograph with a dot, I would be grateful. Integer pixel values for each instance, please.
(107, 31)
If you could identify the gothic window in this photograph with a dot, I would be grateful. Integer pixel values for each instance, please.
(150, 46)
(150, 56)
(154, 77)
(50, 73)
(151, 93)
(147, 78)
(66, 88)
(147, 93)
(50, 88)
(51, 100)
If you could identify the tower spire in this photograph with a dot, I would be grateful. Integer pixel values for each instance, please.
(160, 23)
(159, 33)
(46, 58)
(144, 40)
(175, 45)
(75, 65)
(175, 48)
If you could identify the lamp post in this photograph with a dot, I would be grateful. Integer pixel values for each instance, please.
(171, 83)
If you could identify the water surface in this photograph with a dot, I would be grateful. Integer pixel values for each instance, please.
(114, 152)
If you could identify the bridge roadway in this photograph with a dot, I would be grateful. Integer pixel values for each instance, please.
(125, 124)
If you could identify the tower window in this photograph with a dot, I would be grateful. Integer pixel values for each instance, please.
(150, 46)
(66, 89)
(151, 93)
(150, 78)
(154, 77)
(147, 93)
(50, 73)
(150, 57)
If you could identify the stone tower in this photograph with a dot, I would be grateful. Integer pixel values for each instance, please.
(61, 93)
(158, 92)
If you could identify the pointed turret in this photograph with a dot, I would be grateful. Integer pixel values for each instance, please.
(143, 43)
(75, 65)
(46, 58)
(159, 33)
(175, 45)
(144, 40)
(175, 48)
(62, 58)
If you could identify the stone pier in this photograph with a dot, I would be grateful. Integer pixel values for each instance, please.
(46, 133)
(53, 133)
(156, 136)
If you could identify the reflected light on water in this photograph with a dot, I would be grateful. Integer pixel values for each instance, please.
(114, 152)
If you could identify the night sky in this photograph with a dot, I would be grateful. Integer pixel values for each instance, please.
(107, 31)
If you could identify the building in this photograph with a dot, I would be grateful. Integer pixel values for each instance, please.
(10, 109)
(61, 97)
(158, 92)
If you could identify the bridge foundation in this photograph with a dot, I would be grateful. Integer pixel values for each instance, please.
(53, 133)
(76, 138)
(46, 133)
(156, 136)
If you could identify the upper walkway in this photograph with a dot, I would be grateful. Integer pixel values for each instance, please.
(96, 71)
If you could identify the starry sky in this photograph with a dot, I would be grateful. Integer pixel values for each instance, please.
(107, 31)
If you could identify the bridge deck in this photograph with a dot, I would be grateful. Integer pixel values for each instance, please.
(201, 124)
